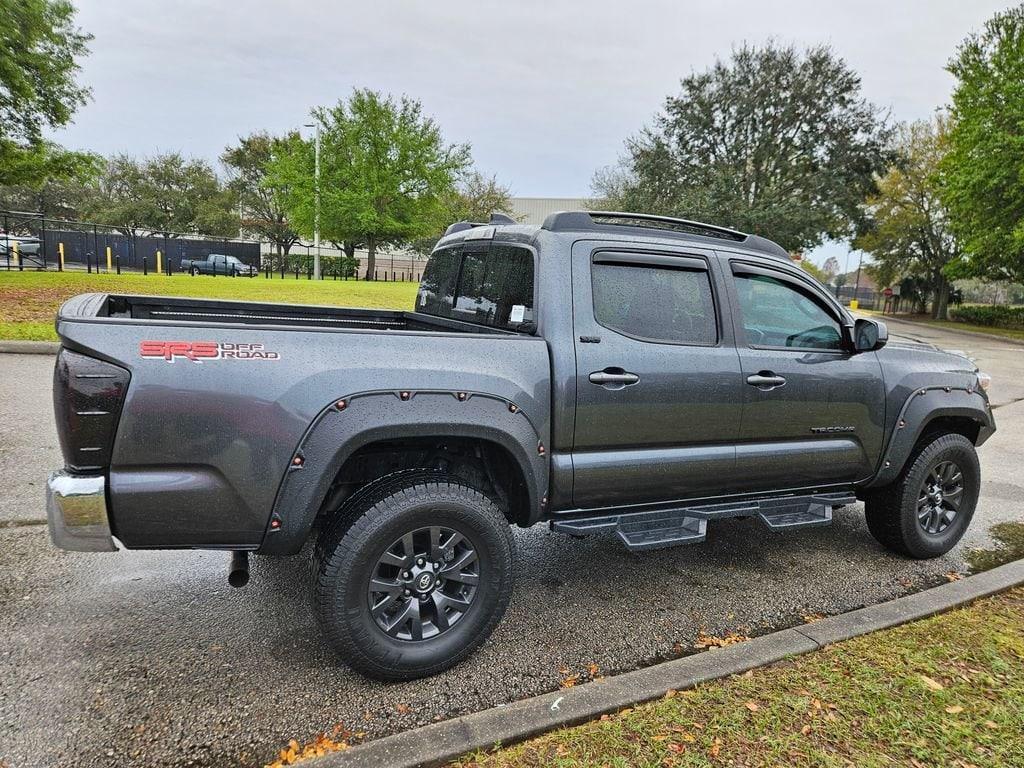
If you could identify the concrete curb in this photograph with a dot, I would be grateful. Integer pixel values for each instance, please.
(441, 742)
(29, 347)
(976, 334)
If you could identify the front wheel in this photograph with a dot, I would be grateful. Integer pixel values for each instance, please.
(413, 575)
(927, 510)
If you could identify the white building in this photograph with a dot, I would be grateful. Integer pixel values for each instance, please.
(533, 210)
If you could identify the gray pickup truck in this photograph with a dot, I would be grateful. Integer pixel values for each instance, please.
(218, 264)
(606, 373)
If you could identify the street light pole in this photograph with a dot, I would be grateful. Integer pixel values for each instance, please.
(316, 198)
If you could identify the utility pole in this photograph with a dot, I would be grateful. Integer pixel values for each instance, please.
(316, 198)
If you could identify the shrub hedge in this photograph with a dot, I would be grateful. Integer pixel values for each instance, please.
(1000, 316)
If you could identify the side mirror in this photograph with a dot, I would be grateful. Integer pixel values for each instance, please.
(869, 335)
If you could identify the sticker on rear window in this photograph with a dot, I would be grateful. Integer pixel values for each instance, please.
(518, 313)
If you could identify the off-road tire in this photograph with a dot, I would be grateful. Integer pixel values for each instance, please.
(892, 512)
(347, 553)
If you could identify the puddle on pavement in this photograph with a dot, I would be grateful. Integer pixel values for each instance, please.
(1010, 546)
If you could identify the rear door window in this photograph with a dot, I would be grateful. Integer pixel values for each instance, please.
(655, 302)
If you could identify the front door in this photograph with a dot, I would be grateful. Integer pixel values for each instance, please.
(657, 376)
(812, 409)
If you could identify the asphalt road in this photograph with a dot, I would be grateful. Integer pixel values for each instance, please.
(151, 659)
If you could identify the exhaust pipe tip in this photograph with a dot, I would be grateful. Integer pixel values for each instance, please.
(238, 569)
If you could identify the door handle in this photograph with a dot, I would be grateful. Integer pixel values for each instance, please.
(766, 380)
(613, 378)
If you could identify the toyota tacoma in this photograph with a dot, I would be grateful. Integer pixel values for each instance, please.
(624, 374)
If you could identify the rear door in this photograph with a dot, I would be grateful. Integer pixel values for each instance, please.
(657, 375)
(813, 412)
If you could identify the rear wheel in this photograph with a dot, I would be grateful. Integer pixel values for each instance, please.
(927, 510)
(413, 575)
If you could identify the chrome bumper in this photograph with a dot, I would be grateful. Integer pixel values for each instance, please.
(76, 509)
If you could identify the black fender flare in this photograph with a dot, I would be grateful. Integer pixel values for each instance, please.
(356, 420)
(922, 407)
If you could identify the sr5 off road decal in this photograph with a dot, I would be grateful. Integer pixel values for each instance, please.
(200, 351)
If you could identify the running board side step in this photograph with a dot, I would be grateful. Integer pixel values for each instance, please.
(669, 527)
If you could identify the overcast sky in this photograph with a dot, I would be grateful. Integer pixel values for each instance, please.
(545, 92)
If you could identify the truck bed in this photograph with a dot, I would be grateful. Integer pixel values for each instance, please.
(178, 310)
(221, 393)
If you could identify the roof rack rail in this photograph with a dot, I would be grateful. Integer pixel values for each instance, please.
(497, 219)
(567, 221)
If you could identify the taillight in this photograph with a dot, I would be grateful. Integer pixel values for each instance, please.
(87, 397)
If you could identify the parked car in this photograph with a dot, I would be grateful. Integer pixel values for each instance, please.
(624, 373)
(27, 245)
(219, 264)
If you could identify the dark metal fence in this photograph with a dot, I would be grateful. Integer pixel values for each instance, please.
(81, 245)
(867, 298)
(62, 244)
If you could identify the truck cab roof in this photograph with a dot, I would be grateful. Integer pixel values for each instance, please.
(640, 226)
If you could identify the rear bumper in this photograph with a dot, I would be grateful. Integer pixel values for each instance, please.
(76, 510)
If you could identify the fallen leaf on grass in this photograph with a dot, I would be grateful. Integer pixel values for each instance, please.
(991, 724)
(716, 747)
(805, 730)
(934, 685)
(955, 710)
(752, 706)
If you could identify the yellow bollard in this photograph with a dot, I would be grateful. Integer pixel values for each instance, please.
(110, 264)
(14, 252)
(159, 263)
(60, 251)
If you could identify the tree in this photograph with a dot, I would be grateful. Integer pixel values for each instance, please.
(773, 141)
(909, 233)
(830, 268)
(55, 188)
(814, 271)
(385, 176)
(39, 50)
(981, 173)
(261, 202)
(166, 194)
(474, 198)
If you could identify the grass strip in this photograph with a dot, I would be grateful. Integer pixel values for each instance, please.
(946, 691)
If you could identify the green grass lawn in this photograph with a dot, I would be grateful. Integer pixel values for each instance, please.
(947, 691)
(29, 300)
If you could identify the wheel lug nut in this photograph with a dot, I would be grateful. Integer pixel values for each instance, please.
(406, 575)
(420, 562)
(406, 592)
